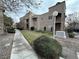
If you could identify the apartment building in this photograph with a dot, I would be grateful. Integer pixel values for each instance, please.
(45, 21)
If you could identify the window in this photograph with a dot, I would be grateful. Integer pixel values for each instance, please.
(27, 20)
(32, 28)
(41, 18)
(34, 19)
(50, 17)
(44, 28)
(27, 26)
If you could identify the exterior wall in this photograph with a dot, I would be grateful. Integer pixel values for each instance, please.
(48, 23)
(1, 20)
(60, 7)
(43, 20)
(22, 23)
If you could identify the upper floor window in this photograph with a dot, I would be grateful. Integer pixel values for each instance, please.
(42, 18)
(34, 19)
(27, 20)
(50, 17)
(59, 15)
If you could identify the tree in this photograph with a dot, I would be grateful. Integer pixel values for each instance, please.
(7, 22)
(72, 20)
(14, 5)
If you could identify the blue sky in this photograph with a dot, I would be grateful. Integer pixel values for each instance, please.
(71, 7)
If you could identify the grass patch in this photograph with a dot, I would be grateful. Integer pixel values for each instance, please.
(32, 35)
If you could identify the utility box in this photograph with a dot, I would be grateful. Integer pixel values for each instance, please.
(60, 34)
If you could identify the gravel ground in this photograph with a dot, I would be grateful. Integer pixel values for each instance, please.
(6, 45)
(70, 47)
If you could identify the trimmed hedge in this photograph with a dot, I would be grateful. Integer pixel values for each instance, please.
(71, 35)
(47, 48)
(70, 32)
(11, 30)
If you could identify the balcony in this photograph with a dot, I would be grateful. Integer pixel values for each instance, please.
(58, 18)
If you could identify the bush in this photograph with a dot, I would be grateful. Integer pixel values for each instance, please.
(40, 31)
(47, 32)
(71, 35)
(69, 30)
(11, 30)
(47, 48)
(20, 28)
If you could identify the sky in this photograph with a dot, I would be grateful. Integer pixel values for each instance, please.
(71, 7)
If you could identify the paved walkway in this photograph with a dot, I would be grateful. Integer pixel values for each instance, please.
(21, 48)
(6, 45)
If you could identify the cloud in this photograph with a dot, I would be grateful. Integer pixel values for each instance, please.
(71, 7)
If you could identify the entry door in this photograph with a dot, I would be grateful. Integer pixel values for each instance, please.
(58, 26)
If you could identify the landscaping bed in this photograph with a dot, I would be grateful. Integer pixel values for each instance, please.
(32, 35)
(43, 44)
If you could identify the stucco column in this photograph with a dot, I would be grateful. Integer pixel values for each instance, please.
(62, 21)
(55, 13)
(1, 18)
(54, 22)
(30, 20)
(1, 22)
(38, 23)
(25, 24)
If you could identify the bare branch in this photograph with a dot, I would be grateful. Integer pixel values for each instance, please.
(15, 5)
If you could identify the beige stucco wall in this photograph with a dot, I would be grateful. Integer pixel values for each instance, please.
(43, 21)
(61, 8)
(1, 19)
(1, 22)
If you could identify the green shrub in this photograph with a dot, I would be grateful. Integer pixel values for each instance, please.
(20, 28)
(69, 30)
(47, 48)
(71, 35)
(47, 32)
(40, 31)
(11, 30)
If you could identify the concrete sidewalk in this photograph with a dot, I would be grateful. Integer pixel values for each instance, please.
(21, 48)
